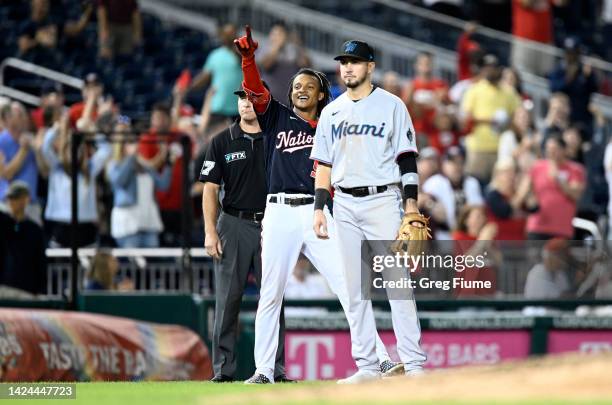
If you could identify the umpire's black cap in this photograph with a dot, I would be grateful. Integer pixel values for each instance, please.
(358, 50)
(240, 92)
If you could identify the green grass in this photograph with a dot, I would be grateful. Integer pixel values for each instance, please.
(187, 393)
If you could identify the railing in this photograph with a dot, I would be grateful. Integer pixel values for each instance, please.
(151, 270)
(322, 34)
(161, 270)
(35, 70)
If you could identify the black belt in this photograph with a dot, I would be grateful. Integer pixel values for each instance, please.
(363, 191)
(293, 201)
(251, 216)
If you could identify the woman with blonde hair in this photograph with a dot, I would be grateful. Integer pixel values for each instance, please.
(519, 142)
(135, 217)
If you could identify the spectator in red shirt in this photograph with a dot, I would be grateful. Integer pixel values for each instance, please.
(532, 21)
(424, 94)
(446, 132)
(51, 96)
(505, 206)
(92, 84)
(473, 237)
(466, 46)
(156, 147)
(557, 184)
(119, 27)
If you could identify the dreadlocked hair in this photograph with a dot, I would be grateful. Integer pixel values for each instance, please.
(324, 87)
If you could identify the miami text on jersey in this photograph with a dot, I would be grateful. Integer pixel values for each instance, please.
(344, 129)
(287, 142)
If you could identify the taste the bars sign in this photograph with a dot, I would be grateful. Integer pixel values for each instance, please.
(327, 355)
(39, 345)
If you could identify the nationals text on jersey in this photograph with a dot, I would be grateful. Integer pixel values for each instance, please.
(287, 142)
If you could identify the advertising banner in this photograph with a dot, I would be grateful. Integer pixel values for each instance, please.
(327, 355)
(43, 345)
(584, 341)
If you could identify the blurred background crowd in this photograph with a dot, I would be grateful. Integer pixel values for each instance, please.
(490, 168)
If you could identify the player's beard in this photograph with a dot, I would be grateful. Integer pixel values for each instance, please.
(355, 82)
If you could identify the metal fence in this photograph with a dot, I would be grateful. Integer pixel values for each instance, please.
(151, 270)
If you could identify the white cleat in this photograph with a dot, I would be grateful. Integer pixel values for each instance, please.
(417, 372)
(361, 376)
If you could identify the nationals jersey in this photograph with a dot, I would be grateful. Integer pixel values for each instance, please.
(362, 139)
(289, 140)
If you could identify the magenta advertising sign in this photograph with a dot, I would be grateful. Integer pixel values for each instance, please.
(327, 355)
(585, 341)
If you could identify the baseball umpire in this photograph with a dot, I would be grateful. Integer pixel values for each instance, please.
(235, 162)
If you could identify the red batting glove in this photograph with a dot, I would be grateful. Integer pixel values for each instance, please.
(245, 44)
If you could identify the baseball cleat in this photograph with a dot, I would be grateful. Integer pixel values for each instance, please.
(361, 376)
(415, 372)
(258, 379)
(389, 368)
(222, 379)
(283, 379)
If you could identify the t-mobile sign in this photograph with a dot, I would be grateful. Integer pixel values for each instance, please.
(595, 341)
(327, 355)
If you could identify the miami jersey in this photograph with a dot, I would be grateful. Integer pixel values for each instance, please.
(289, 141)
(362, 139)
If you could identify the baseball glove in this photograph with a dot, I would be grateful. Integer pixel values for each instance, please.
(411, 238)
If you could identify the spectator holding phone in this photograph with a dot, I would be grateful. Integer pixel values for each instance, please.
(56, 149)
(135, 218)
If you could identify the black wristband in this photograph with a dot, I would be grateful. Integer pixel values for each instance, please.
(322, 196)
(411, 191)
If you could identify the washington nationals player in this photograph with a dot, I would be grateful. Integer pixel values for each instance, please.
(287, 224)
(365, 147)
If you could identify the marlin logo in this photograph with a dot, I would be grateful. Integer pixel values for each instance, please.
(350, 47)
(344, 129)
(410, 135)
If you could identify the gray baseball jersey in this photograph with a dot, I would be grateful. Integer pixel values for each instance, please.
(362, 139)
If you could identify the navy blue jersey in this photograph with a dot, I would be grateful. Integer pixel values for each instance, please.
(289, 140)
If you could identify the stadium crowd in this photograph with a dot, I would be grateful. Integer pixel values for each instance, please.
(489, 169)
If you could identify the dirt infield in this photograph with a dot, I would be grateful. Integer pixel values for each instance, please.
(570, 378)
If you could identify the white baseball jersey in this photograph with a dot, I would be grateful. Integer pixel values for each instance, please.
(362, 139)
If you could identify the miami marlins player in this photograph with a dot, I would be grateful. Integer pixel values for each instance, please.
(287, 224)
(365, 147)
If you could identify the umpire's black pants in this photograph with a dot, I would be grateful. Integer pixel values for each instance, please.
(241, 243)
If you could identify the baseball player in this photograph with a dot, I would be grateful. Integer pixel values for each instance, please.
(287, 225)
(365, 147)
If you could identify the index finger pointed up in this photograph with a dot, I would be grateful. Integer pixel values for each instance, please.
(248, 32)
